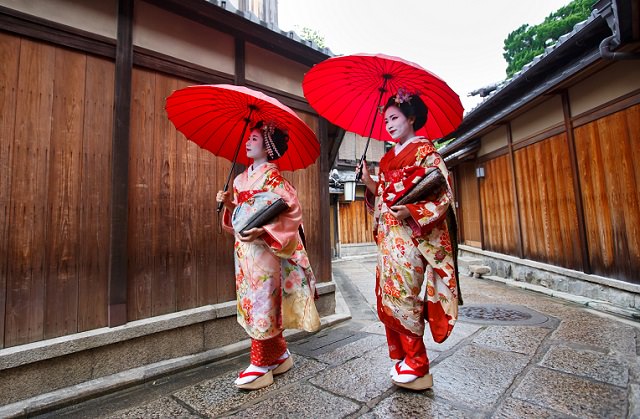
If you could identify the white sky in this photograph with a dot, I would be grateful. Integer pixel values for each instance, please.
(459, 40)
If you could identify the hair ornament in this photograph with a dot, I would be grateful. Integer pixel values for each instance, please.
(403, 96)
(267, 133)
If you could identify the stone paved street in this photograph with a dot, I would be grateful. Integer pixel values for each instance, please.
(513, 354)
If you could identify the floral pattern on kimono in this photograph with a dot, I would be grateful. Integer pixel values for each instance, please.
(275, 284)
(415, 249)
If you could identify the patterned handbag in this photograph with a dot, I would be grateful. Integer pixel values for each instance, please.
(433, 181)
(257, 211)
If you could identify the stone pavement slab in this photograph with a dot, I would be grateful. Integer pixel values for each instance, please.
(527, 355)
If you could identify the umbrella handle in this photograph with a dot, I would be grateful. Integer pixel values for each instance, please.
(235, 156)
(385, 78)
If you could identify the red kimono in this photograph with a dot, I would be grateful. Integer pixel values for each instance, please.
(415, 248)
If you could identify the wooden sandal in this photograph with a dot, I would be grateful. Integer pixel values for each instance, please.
(285, 365)
(264, 379)
(420, 383)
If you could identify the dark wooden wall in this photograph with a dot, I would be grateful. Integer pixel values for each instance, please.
(608, 154)
(355, 223)
(469, 212)
(547, 203)
(498, 206)
(552, 205)
(56, 122)
(56, 109)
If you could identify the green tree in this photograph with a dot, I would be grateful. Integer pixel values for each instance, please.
(526, 42)
(311, 35)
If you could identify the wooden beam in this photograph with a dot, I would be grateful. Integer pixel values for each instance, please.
(240, 62)
(514, 188)
(577, 188)
(117, 313)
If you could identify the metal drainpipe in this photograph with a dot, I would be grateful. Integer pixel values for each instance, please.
(607, 54)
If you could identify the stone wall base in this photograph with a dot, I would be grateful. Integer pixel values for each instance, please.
(600, 293)
(34, 370)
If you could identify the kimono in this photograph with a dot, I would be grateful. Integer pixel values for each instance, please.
(414, 249)
(275, 285)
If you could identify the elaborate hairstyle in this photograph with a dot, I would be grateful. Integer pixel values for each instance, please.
(276, 140)
(410, 105)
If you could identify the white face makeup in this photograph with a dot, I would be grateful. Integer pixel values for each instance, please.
(255, 146)
(398, 126)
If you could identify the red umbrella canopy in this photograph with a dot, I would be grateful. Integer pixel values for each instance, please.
(346, 91)
(218, 117)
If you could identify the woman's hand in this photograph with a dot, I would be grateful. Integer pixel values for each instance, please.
(225, 198)
(400, 212)
(251, 235)
(366, 177)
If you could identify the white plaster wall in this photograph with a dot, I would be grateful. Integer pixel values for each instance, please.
(493, 141)
(538, 119)
(614, 81)
(172, 35)
(95, 16)
(268, 68)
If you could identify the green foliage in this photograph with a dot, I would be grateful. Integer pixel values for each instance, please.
(526, 42)
(311, 35)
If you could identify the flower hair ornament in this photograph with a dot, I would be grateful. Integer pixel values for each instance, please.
(268, 130)
(403, 96)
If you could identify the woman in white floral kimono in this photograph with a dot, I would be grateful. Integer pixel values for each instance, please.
(414, 243)
(275, 285)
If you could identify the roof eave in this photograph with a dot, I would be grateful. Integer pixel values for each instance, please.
(574, 54)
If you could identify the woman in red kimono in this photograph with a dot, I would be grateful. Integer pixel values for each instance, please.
(275, 285)
(414, 244)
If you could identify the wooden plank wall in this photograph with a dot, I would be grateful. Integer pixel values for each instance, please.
(469, 211)
(177, 257)
(547, 203)
(497, 206)
(608, 154)
(56, 110)
(311, 199)
(355, 223)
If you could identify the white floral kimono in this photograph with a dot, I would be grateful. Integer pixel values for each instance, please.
(275, 285)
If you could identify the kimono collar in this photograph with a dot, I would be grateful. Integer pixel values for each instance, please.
(252, 169)
(399, 147)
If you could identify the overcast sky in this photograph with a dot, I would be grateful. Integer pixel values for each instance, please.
(459, 40)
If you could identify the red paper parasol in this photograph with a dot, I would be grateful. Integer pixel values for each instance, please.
(217, 118)
(349, 90)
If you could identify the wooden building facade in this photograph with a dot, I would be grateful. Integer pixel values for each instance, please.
(107, 213)
(547, 168)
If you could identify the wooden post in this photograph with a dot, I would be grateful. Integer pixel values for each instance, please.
(514, 188)
(240, 62)
(323, 186)
(577, 188)
(117, 312)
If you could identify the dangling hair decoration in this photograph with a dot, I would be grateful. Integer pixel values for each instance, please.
(268, 129)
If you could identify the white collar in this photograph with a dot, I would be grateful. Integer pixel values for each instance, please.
(253, 168)
(399, 147)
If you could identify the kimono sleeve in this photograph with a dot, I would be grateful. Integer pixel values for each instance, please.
(282, 234)
(226, 214)
(425, 215)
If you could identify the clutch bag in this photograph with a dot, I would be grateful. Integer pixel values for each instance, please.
(432, 182)
(257, 211)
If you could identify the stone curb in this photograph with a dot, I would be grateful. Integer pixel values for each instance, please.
(103, 385)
